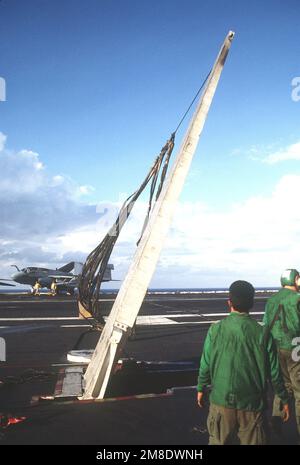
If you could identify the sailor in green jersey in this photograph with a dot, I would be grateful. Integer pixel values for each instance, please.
(238, 359)
(282, 318)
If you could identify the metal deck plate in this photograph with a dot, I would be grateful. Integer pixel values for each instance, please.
(70, 383)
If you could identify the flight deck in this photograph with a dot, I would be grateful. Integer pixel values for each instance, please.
(151, 396)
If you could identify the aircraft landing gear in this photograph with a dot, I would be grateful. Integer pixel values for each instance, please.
(36, 288)
(53, 289)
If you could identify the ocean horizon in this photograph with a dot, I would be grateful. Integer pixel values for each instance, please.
(153, 291)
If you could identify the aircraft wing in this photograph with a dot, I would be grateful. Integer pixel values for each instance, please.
(6, 284)
(61, 276)
(69, 281)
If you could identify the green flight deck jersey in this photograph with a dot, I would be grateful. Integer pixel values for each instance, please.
(286, 320)
(238, 359)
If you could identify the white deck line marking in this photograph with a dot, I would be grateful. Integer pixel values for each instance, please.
(148, 299)
(225, 314)
(140, 318)
(61, 326)
(149, 322)
(154, 319)
(193, 299)
(187, 315)
(75, 326)
(11, 306)
(21, 302)
(170, 322)
(50, 318)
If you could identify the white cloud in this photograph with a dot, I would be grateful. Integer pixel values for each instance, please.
(57, 180)
(291, 152)
(21, 173)
(253, 240)
(85, 190)
(36, 209)
(2, 141)
(270, 153)
(44, 223)
(32, 158)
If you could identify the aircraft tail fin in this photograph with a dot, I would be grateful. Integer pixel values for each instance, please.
(68, 267)
(74, 267)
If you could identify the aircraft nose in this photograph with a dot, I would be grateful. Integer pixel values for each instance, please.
(16, 277)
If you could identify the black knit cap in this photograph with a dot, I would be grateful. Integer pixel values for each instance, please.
(241, 295)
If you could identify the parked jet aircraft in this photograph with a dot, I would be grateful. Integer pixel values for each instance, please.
(64, 278)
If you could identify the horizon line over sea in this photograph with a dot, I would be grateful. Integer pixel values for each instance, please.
(153, 291)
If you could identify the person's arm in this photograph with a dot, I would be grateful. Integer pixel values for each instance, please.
(204, 370)
(276, 376)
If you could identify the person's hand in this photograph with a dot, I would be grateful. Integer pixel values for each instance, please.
(285, 412)
(200, 399)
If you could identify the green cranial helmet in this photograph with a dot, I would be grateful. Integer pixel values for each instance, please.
(288, 277)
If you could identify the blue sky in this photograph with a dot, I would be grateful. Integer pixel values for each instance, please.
(94, 89)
